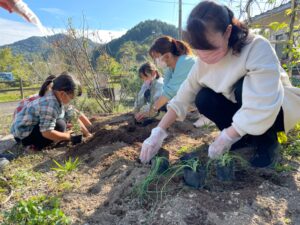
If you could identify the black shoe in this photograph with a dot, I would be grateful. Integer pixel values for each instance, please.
(266, 156)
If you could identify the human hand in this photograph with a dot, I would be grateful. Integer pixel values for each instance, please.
(222, 143)
(139, 116)
(152, 144)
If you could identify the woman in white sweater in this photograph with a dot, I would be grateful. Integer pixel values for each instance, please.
(237, 82)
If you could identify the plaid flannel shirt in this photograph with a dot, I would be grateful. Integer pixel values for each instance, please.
(43, 111)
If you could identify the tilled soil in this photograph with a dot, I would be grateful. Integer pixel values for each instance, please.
(111, 171)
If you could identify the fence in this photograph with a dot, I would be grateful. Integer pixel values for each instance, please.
(17, 86)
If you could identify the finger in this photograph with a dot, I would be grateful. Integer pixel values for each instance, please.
(148, 155)
(141, 116)
(143, 155)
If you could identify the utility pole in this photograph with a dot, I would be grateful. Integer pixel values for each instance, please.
(180, 20)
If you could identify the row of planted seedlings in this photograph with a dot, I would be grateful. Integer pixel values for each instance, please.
(194, 170)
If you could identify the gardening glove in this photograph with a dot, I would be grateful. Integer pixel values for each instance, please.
(152, 144)
(145, 108)
(222, 144)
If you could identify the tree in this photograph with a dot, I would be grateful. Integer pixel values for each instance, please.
(15, 64)
(107, 64)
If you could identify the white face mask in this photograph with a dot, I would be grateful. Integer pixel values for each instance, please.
(160, 63)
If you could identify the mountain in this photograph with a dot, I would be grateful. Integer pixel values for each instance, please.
(42, 46)
(143, 32)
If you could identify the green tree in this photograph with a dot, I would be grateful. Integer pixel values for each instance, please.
(108, 65)
(15, 64)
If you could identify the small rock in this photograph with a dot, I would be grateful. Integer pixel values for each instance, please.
(229, 202)
(235, 213)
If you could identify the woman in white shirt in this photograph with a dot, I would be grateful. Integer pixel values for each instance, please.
(237, 82)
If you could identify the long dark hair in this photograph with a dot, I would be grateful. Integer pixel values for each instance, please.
(167, 44)
(65, 82)
(211, 14)
(147, 68)
(46, 84)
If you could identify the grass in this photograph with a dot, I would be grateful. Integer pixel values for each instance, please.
(35, 211)
(290, 143)
(26, 180)
(5, 123)
(14, 95)
(90, 106)
(280, 167)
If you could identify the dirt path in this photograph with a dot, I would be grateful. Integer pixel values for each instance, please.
(7, 108)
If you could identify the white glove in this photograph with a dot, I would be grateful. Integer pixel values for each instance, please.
(152, 144)
(146, 108)
(221, 144)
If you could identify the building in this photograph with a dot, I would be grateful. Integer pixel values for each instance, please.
(278, 38)
(6, 76)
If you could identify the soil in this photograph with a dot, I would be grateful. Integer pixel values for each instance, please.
(111, 170)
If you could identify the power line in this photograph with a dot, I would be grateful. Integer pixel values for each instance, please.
(170, 2)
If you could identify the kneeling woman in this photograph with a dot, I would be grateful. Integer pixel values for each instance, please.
(40, 122)
(237, 83)
(150, 91)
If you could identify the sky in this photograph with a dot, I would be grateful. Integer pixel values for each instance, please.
(111, 17)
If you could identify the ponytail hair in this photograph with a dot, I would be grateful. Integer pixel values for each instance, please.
(46, 85)
(146, 70)
(67, 83)
(167, 44)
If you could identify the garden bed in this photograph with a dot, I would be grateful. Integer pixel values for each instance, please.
(103, 188)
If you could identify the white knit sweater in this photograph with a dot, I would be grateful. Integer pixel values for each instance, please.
(266, 88)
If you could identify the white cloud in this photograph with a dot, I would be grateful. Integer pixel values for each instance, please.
(12, 31)
(55, 11)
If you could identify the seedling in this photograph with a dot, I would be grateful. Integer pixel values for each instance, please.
(68, 166)
(143, 188)
(194, 174)
(225, 165)
(36, 211)
(162, 164)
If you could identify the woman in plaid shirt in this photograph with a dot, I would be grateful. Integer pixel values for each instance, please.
(40, 122)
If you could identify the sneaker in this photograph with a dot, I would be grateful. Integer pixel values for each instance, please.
(202, 121)
(30, 149)
(266, 157)
(3, 163)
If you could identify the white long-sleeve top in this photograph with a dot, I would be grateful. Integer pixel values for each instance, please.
(266, 88)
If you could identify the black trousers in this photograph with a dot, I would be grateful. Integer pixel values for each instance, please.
(220, 110)
(36, 138)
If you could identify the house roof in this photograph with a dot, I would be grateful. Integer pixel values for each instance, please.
(276, 14)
